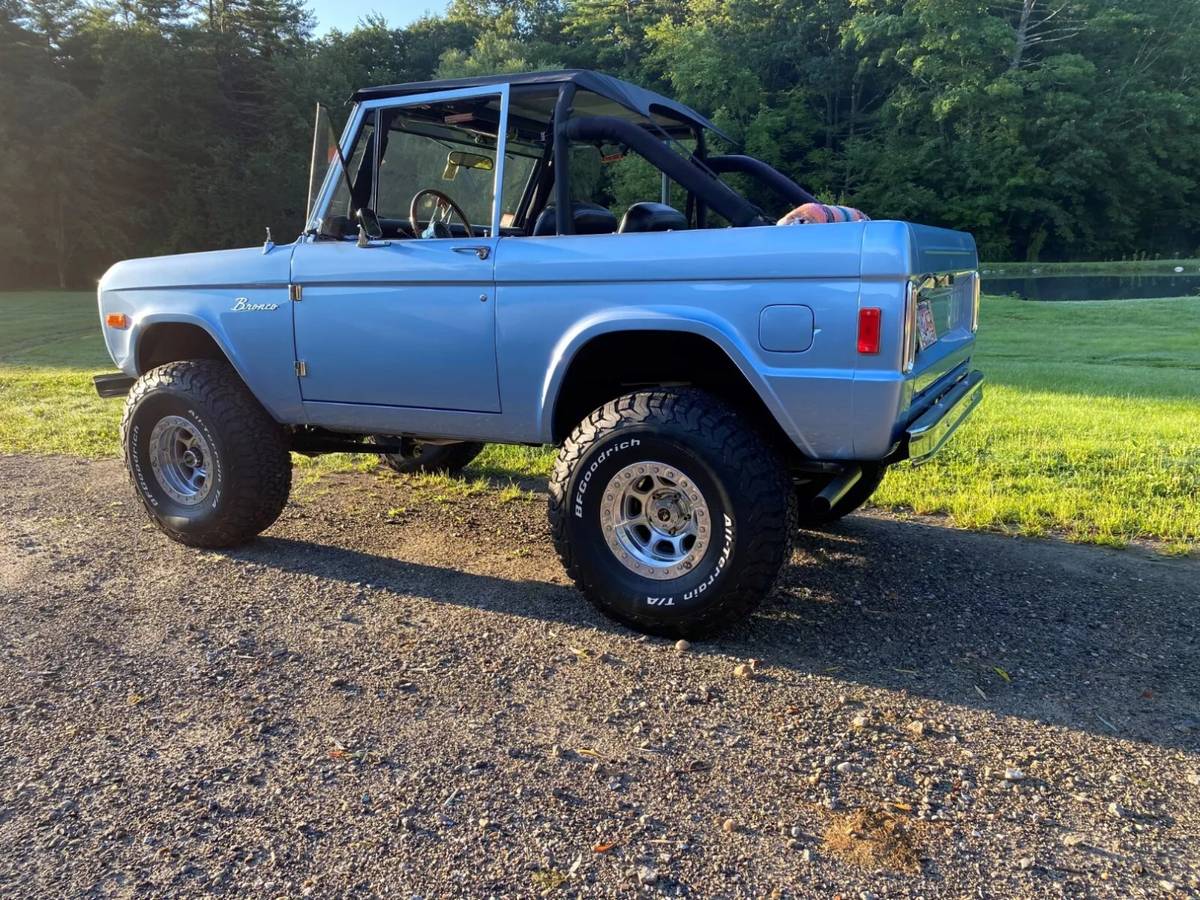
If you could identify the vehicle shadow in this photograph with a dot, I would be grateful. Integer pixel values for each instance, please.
(1100, 640)
(1082, 637)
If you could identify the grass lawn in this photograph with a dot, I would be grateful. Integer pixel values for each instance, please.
(1090, 426)
(1110, 267)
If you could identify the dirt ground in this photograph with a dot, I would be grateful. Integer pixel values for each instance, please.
(395, 695)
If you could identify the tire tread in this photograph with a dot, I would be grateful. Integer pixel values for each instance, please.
(256, 451)
(765, 544)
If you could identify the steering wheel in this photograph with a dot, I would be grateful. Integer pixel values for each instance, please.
(443, 202)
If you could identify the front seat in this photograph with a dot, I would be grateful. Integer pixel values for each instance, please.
(647, 216)
(589, 218)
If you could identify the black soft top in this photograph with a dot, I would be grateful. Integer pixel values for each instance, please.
(647, 104)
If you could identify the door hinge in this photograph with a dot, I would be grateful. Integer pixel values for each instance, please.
(295, 292)
(301, 368)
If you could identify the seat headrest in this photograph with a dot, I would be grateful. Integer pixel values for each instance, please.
(589, 218)
(647, 216)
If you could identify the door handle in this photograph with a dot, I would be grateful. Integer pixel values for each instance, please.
(481, 252)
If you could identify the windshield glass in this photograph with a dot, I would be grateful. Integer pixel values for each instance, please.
(429, 152)
(417, 159)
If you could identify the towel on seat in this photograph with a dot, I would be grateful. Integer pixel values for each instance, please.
(821, 213)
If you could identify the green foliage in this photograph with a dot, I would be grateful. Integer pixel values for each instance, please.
(1051, 129)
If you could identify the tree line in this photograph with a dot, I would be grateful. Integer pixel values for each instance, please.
(1051, 129)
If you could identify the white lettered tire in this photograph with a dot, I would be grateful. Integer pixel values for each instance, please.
(670, 512)
(209, 464)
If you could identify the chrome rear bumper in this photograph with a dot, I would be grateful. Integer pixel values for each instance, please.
(927, 434)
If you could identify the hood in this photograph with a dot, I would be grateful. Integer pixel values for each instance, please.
(243, 267)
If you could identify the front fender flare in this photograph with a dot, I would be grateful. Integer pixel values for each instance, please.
(280, 412)
(144, 323)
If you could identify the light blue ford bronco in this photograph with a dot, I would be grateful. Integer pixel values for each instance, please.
(713, 381)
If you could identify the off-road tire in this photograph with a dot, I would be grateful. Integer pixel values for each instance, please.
(872, 476)
(448, 458)
(250, 467)
(742, 480)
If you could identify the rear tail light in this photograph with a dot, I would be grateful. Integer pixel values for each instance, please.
(910, 328)
(975, 286)
(869, 320)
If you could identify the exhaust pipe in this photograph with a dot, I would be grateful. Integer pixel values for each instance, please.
(837, 488)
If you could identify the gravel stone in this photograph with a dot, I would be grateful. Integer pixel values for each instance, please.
(171, 726)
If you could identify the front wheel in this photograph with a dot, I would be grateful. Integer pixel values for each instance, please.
(670, 513)
(209, 464)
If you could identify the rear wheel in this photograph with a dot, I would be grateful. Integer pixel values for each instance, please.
(860, 493)
(210, 465)
(670, 513)
(418, 456)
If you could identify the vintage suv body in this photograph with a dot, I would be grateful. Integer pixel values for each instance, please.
(710, 377)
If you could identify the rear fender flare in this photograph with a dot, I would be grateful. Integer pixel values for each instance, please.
(687, 320)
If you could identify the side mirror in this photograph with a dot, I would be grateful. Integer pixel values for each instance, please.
(368, 226)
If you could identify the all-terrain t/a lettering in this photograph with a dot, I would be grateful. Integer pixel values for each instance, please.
(591, 470)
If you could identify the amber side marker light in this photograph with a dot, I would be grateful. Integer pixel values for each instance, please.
(116, 320)
(869, 319)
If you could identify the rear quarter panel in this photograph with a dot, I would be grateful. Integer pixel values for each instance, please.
(556, 293)
(893, 253)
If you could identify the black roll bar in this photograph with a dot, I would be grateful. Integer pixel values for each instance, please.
(565, 222)
(714, 193)
(763, 173)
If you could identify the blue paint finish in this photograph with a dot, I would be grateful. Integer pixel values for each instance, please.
(396, 337)
(787, 329)
(201, 289)
(424, 337)
(400, 323)
(897, 249)
(712, 283)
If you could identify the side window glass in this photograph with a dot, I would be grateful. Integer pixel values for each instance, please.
(519, 168)
(339, 217)
(429, 170)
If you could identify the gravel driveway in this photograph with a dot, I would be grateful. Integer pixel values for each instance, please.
(396, 694)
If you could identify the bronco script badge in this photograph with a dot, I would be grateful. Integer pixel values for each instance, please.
(241, 304)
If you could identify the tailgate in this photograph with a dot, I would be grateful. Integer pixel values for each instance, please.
(943, 310)
(943, 304)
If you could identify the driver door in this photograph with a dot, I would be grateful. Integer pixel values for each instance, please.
(404, 321)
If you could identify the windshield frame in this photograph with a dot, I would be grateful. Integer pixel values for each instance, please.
(359, 114)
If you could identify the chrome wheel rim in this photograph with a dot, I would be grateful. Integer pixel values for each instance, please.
(655, 520)
(180, 458)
